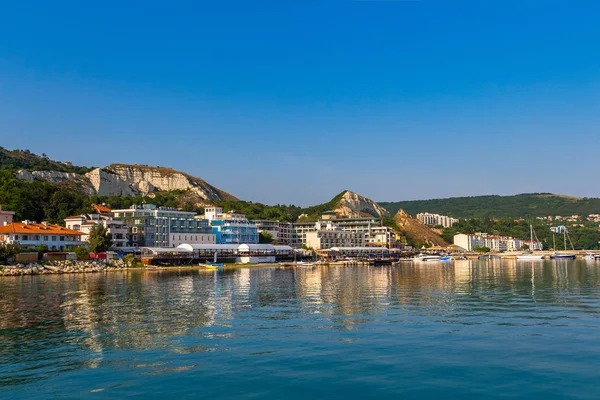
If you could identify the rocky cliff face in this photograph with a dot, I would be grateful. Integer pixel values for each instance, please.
(355, 205)
(130, 180)
(415, 230)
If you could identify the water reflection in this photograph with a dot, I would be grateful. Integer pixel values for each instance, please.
(53, 324)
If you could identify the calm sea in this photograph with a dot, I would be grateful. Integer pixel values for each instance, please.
(487, 329)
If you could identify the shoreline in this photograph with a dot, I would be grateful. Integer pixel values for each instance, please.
(89, 267)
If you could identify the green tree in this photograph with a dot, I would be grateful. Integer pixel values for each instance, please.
(8, 250)
(82, 253)
(265, 237)
(100, 239)
(482, 249)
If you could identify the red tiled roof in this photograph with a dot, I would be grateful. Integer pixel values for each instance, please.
(21, 228)
(100, 209)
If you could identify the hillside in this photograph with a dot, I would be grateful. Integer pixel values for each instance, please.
(416, 232)
(14, 160)
(521, 205)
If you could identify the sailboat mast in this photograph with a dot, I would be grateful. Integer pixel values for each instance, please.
(565, 238)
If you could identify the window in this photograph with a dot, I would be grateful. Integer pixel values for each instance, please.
(16, 237)
(45, 238)
(62, 238)
(24, 237)
(54, 238)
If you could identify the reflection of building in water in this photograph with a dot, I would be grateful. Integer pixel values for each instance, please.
(309, 284)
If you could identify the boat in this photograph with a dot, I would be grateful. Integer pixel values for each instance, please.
(529, 256)
(426, 257)
(563, 256)
(447, 258)
(211, 265)
(591, 257)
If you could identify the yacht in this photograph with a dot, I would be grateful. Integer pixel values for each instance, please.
(427, 257)
(529, 256)
(563, 256)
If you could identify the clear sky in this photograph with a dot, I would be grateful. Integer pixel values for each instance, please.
(295, 101)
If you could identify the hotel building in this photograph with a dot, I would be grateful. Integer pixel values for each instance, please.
(149, 226)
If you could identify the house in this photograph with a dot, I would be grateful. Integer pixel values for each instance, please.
(29, 234)
(85, 222)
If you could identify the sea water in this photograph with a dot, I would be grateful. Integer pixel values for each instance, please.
(486, 329)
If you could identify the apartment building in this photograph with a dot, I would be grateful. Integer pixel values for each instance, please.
(280, 231)
(326, 239)
(151, 226)
(436, 219)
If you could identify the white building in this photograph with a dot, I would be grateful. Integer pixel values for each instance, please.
(495, 243)
(436, 219)
(84, 223)
(29, 234)
(372, 229)
(326, 239)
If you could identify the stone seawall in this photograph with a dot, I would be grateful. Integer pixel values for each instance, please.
(61, 267)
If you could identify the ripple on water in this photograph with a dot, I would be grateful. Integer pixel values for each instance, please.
(475, 329)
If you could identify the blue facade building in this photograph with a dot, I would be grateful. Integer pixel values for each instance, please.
(231, 228)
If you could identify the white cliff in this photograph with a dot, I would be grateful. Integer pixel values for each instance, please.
(355, 205)
(129, 180)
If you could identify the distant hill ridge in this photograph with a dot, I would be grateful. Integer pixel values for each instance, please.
(522, 205)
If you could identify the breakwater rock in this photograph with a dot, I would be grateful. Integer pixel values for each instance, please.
(60, 267)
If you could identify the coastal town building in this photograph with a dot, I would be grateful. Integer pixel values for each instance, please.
(471, 242)
(281, 232)
(230, 228)
(153, 226)
(6, 217)
(29, 234)
(85, 222)
(328, 238)
(436, 219)
(372, 230)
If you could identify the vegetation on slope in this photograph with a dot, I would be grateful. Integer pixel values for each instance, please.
(14, 160)
(519, 206)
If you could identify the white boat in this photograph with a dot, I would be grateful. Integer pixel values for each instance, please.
(426, 257)
(529, 256)
(565, 255)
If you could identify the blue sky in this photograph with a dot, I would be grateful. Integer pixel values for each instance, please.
(295, 101)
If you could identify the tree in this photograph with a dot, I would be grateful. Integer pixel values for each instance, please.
(265, 237)
(482, 249)
(99, 239)
(82, 253)
(8, 250)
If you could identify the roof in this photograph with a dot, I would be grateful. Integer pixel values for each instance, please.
(42, 229)
(163, 250)
(76, 217)
(361, 249)
(100, 209)
(208, 246)
(248, 247)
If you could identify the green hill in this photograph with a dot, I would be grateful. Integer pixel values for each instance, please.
(14, 160)
(521, 205)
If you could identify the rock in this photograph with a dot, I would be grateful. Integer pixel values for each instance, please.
(130, 180)
(355, 205)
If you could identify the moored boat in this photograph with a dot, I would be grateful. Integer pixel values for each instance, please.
(530, 256)
(426, 257)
